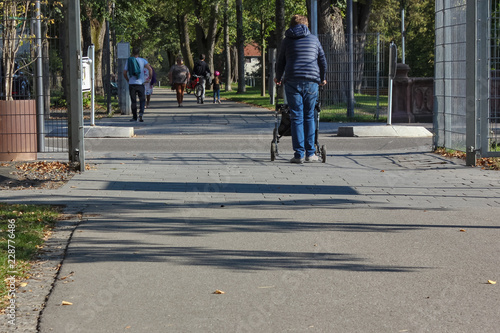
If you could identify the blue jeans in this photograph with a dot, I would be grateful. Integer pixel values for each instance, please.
(216, 95)
(302, 96)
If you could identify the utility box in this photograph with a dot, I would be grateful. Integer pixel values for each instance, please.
(123, 53)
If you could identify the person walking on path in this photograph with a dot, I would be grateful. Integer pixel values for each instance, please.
(203, 72)
(179, 77)
(301, 66)
(216, 87)
(148, 86)
(134, 74)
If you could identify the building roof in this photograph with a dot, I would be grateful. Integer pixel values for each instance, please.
(252, 50)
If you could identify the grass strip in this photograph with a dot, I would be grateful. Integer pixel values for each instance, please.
(365, 109)
(23, 231)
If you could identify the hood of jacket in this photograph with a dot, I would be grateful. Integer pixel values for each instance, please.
(299, 31)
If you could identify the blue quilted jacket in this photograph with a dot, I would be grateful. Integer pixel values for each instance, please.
(301, 56)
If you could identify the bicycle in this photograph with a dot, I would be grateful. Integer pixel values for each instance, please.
(194, 85)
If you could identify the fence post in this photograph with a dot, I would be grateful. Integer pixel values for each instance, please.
(377, 112)
(39, 80)
(470, 85)
(350, 97)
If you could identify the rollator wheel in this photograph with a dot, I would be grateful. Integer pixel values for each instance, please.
(323, 153)
(274, 150)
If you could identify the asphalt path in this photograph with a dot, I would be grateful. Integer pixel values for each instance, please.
(189, 227)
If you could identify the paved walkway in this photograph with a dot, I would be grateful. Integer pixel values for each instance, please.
(383, 237)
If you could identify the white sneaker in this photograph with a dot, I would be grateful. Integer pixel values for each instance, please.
(312, 158)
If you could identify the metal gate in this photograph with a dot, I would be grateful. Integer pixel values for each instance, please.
(467, 87)
(369, 75)
(33, 113)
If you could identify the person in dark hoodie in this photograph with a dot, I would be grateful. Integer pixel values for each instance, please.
(203, 72)
(301, 66)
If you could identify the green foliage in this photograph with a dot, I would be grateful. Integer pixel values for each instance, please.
(419, 21)
(87, 100)
(365, 108)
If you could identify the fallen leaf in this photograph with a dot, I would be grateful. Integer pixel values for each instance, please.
(66, 303)
(382, 170)
(219, 292)
(67, 276)
(462, 230)
(24, 284)
(492, 282)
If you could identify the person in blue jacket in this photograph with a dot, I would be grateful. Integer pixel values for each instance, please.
(301, 66)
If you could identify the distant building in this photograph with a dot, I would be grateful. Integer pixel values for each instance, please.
(252, 59)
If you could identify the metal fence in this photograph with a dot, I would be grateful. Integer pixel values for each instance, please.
(467, 87)
(369, 71)
(33, 115)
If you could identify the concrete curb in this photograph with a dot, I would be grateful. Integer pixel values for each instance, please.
(108, 132)
(384, 131)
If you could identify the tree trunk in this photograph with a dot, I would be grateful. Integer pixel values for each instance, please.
(86, 33)
(98, 34)
(331, 31)
(212, 36)
(62, 52)
(234, 63)
(280, 24)
(263, 59)
(361, 15)
(206, 40)
(46, 72)
(200, 32)
(182, 25)
(11, 42)
(227, 51)
(240, 41)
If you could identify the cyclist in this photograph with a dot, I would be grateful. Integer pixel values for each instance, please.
(203, 72)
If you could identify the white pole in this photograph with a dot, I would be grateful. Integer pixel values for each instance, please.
(389, 107)
(91, 55)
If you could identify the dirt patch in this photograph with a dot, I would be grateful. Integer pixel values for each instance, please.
(31, 175)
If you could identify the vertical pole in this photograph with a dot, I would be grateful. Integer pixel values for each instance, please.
(74, 75)
(350, 98)
(272, 74)
(470, 85)
(91, 55)
(403, 32)
(314, 17)
(377, 113)
(107, 55)
(483, 75)
(227, 53)
(263, 62)
(393, 59)
(40, 120)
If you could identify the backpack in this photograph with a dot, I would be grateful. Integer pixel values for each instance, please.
(133, 67)
(153, 78)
